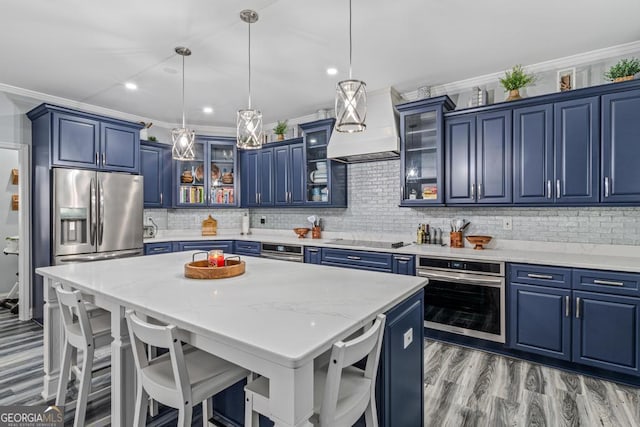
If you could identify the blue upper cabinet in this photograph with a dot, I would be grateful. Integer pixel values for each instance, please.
(324, 180)
(577, 150)
(620, 180)
(83, 140)
(422, 151)
(478, 153)
(289, 174)
(155, 166)
(209, 179)
(533, 171)
(257, 180)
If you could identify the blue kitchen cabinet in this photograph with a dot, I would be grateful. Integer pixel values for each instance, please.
(312, 255)
(533, 154)
(247, 248)
(577, 150)
(620, 181)
(324, 180)
(404, 264)
(363, 260)
(209, 180)
(478, 158)
(540, 320)
(606, 331)
(289, 179)
(422, 151)
(155, 167)
(120, 146)
(226, 246)
(257, 180)
(158, 248)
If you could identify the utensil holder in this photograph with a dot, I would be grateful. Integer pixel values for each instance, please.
(315, 232)
(455, 239)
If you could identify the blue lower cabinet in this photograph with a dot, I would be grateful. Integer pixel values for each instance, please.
(312, 255)
(404, 264)
(158, 248)
(242, 247)
(225, 246)
(540, 320)
(363, 260)
(606, 331)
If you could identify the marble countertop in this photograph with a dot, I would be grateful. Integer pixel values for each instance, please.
(576, 255)
(284, 311)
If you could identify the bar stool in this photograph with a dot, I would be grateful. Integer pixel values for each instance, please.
(179, 379)
(85, 333)
(341, 392)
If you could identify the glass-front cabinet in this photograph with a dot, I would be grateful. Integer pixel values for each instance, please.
(422, 149)
(209, 179)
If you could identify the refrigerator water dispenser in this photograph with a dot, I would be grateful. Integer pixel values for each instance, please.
(73, 223)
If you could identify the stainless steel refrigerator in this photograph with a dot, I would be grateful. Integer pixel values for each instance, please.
(96, 215)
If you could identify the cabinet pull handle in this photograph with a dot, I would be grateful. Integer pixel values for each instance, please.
(577, 307)
(259, 198)
(158, 249)
(355, 258)
(312, 250)
(607, 282)
(104, 159)
(97, 159)
(160, 198)
(479, 191)
(557, 188)
(566, 306)
(606, 186)
(473, 191)
(540, 276)
(401, 258)
(548, 189)
(402, 192)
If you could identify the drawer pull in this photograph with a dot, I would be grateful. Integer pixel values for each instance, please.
(607, 282)
(159, 249)
(402, 258)
(312, 250)
(355, 258)
(539, 276)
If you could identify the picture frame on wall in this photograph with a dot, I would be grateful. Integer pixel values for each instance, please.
(566, 79)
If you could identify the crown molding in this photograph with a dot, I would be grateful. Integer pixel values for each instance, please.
(554, 64)
(40, 97)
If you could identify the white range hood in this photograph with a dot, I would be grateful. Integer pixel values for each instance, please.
(379, 141)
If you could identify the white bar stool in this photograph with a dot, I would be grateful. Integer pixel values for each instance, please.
(179, 379)
(81, 333)
(341, 392)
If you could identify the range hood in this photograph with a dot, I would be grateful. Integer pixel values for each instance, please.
(379, 141)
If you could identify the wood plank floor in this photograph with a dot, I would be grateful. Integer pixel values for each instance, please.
(463, 387)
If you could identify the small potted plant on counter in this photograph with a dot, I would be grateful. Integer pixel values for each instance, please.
(515, 79)
(280, 129)
(625, 69)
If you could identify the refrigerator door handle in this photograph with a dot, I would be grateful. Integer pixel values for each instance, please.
(98, 257)
(93, 218)
(101, 212)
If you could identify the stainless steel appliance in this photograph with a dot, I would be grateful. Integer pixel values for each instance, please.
(96, 215)
(464, 296)
(368, 243)
(293, 253)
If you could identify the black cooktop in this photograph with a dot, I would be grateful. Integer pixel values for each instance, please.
(368, 243)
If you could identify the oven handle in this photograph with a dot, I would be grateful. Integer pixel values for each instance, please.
(294, 258)
(475, 280)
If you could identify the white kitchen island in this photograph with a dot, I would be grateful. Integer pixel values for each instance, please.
(273, 320)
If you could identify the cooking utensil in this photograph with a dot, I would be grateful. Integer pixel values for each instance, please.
(465, 226)
(313, 220)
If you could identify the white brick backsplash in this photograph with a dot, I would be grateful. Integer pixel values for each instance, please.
(373, 198)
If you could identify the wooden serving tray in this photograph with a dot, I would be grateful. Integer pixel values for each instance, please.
(202, 270)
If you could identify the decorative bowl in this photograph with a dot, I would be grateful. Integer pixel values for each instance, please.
(479, 241)
(301, 232)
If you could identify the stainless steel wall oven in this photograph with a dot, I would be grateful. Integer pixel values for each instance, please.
(464, 296)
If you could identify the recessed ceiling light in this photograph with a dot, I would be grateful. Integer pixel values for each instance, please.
(332, 71)
(131, 86)
(207, 110)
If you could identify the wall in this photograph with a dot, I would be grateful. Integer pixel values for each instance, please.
(191, 219)
(8, 218)
(373, 197)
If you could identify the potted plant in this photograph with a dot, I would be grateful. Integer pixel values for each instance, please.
(280, 129)
(623, 70)
(144, 132)
(514, 80)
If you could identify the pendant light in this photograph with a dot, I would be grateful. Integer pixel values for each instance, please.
(183, 138)
(351, 99)
(249, 133)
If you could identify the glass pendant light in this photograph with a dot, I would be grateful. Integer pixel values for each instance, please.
(351, 99)
(183, 138)
(249, 135)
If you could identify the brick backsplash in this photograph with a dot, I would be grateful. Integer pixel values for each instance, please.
(373, 191)
(373, 197)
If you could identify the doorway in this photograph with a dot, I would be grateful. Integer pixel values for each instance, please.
(15, 222)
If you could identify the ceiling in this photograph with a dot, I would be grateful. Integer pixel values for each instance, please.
(85, 50)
